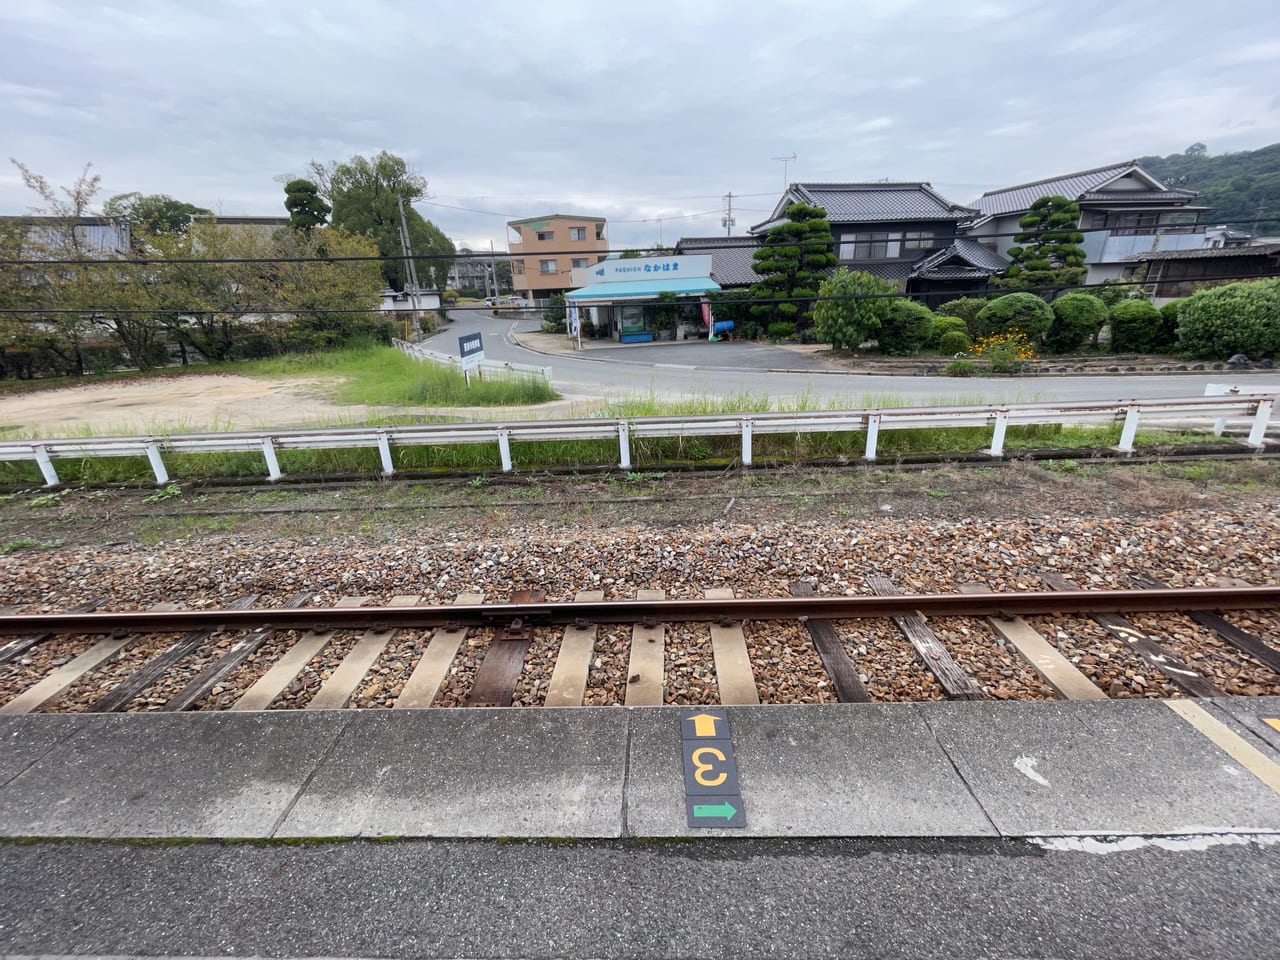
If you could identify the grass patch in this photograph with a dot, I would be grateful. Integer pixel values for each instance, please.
(383, 376)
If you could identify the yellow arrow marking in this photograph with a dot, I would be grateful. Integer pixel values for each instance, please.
(1270, 722)
(704, 725)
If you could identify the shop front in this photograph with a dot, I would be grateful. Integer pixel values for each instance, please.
(643, 299)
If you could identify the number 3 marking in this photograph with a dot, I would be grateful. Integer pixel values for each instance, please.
(699, 768)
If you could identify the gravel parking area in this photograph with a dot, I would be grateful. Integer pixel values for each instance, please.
(1098, 543)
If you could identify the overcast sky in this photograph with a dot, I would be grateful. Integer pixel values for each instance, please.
(630, 110)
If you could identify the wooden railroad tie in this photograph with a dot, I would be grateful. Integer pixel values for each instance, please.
(12, 649)
(956, 684)
(499, 671)
(835, 658)
(1228, 631)
(1147, 648)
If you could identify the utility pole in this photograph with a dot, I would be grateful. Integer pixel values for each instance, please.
(727, 220)
(493, 270)
(785, 161)
(411, 270)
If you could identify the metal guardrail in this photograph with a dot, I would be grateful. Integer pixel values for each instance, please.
(999, 417)
(419, 352)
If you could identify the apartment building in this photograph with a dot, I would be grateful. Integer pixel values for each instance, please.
(545, 251)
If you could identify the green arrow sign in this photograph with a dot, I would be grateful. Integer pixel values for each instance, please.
(725, 809)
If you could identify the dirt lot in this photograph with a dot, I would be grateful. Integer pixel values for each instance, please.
(197, 403)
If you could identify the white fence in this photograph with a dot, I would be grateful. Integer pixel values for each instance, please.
(1257, 407)
(420, 352)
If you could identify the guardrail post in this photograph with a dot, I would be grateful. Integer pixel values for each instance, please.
(624, 445)
(1130, 429)
(873, 436)
(273, 465)
(504, 449)
(46, 466)
(1259, 432)
(384, 451)
(157, 464)
(746, 443)
(997, 435)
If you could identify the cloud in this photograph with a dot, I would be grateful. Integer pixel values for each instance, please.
(632, 112)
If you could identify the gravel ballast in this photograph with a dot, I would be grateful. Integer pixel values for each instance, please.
(1186, 546)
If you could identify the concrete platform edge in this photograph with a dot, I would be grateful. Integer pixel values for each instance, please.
(946, 770)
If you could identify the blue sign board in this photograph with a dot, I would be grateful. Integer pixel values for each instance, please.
(471, 349)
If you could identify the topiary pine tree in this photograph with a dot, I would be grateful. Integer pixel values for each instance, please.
(306, 207)
(1048, 253)
(792, 261)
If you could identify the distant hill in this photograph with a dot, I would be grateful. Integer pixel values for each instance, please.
(1239, 186)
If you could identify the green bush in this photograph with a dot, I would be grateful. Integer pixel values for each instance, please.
(908, 328)
(1076, 318)
(953, 342)
(960, 368)
(967, 309)
(782, 330)
(449, 296)
(1235, 318)
(1024, 312)
(944, 325)
(1137, 327)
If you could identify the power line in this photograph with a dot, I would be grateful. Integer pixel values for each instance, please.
(972, 291)
(836, 240)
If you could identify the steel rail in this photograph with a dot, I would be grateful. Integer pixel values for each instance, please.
(656, 611)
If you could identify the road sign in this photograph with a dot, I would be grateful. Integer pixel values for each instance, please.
(712, 796)
(471, 349)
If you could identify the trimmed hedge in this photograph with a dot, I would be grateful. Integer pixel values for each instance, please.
(953, 342)
(1137, 327)
(967, 309)
(1236, 318)
(944, 325)
(1024, 312)
(909, 327)
(1076, 318)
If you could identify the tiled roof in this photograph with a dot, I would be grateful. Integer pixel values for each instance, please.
(1139, 195)
(1258, 250)
(731, 257)
(870, 202)
(884, 269)
(979, 260)
(1073, 185)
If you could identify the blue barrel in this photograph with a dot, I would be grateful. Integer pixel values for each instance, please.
(722, 326)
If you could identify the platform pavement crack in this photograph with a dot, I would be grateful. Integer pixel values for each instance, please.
(626, 777)
(956, 767)
(306, 783)
(62, 742)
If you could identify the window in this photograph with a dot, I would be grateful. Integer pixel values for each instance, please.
(919, 240)
(1131, 224)
(577, 233)
(869, 246)
(518, 267)
(546, 234)
(599, 231)
(581, 262)
(546, 266)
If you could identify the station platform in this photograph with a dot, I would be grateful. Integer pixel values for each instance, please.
(941, 770)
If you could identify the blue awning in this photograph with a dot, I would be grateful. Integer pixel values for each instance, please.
(643, 289)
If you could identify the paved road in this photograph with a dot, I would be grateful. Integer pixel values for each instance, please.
(739, 899)
(728, 369)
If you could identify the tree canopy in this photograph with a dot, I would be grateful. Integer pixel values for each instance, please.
(363, 192)
(853, 307)
(792, 260)
(154, 213)
(1239, 186)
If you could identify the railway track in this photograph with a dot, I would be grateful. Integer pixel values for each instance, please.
(1147, 639)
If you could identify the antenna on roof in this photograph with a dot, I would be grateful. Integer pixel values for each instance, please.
(785, 162)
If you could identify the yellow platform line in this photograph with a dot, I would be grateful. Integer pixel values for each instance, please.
(1235, 746)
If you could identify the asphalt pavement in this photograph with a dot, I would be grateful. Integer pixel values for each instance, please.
(700, 369)
(613, 899)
